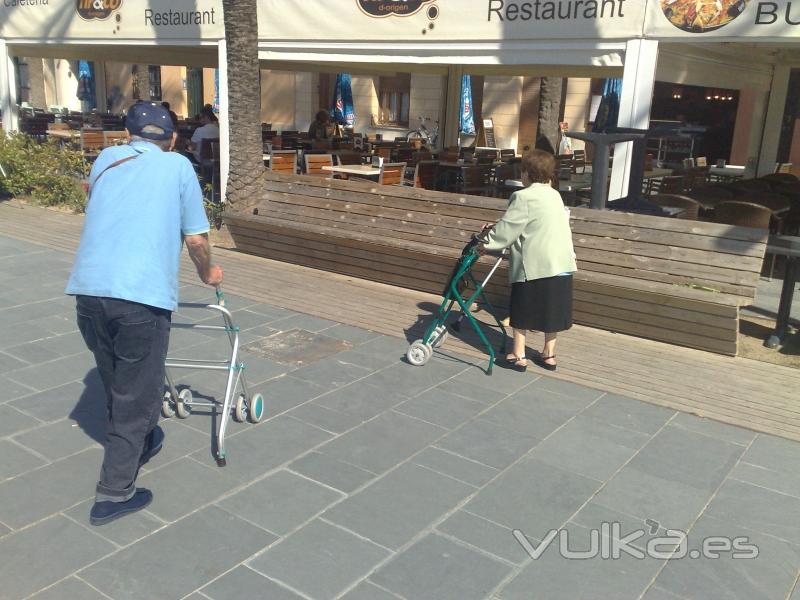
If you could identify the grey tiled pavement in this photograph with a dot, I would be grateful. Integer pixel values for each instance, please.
(370, 479)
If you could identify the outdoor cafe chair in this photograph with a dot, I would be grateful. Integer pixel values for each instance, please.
(507, 154)
(425, 172)
(92, 142)
(283, 161)
(691, 207)
(579, 161)
(315, 162)
(392, 173)
(349, 158)
(780, 178)
(114, 138)
(745, 187)
(671, 184)
(475, 180)
(743, 214)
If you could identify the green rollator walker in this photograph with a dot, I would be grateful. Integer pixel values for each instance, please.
(461, 281)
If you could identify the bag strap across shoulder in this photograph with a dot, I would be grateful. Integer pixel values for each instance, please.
(111, 166)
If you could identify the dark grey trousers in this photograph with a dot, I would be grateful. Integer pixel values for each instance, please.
(129, 342)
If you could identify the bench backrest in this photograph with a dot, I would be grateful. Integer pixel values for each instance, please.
(708, 256)
(622, 246)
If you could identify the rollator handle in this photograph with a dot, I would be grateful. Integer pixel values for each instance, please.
(220, 295)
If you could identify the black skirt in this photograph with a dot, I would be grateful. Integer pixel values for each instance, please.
(542, 304)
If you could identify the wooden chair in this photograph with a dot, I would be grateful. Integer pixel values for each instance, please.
(701, 161)
(780, 178)
(92, 142)
(506, 154)
(783, 167)
(745, 187)
(283, 161)
(392, 173)
(59, 127)
(579, 161)
(349, 158)
(475, 181)
(743, 214)
(671, 184)
(425, 173)
(315, 162)
(746, 214)
(691, 207)
(385, 152)
(114, 138)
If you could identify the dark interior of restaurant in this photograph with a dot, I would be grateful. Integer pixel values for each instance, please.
(711, 108)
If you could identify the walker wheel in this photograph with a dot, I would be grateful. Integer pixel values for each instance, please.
(419, 353)
(439, 341)
(255, 411)
(183, 407)
(166, 406)
(240, 409)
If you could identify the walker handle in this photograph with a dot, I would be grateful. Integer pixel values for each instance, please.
(220, 296)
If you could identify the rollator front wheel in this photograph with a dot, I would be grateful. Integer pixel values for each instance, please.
(240, 409)
(166, 406)
(419, 353)
(255, 411)
(183, 406)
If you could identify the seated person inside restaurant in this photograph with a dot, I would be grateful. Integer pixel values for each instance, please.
(321, 128)
(208, 130)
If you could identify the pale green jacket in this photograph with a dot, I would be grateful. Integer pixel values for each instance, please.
(536, 229)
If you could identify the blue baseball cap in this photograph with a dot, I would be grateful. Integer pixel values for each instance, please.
(149, 120)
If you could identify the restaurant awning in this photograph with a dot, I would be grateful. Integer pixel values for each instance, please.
(641, 39)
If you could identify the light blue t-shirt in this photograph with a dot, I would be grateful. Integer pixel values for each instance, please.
(137, 216)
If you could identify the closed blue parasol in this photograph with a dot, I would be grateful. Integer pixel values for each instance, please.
(467, 122)
(608, 112)
(343, 112)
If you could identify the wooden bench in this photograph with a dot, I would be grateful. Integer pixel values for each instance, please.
(670, 280)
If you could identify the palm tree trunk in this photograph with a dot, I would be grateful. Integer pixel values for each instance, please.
(549, 112)
(244, 107)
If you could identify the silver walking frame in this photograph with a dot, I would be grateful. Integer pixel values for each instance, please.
(180, 403)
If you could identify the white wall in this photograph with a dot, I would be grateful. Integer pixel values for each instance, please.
(502, 98)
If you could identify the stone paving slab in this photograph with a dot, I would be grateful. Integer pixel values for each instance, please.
(369, 479)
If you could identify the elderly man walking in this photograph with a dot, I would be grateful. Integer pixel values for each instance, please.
(145, 201)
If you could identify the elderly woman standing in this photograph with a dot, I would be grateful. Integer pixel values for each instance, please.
(536, 229)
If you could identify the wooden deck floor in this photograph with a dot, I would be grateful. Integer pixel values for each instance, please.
(739, 391)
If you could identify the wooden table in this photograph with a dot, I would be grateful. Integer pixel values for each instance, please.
(361, 170)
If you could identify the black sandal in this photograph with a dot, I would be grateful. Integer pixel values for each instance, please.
(513, 363)
(540, 361)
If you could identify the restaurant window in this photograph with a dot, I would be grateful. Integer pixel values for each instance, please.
(394, 94)
(154, 76)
